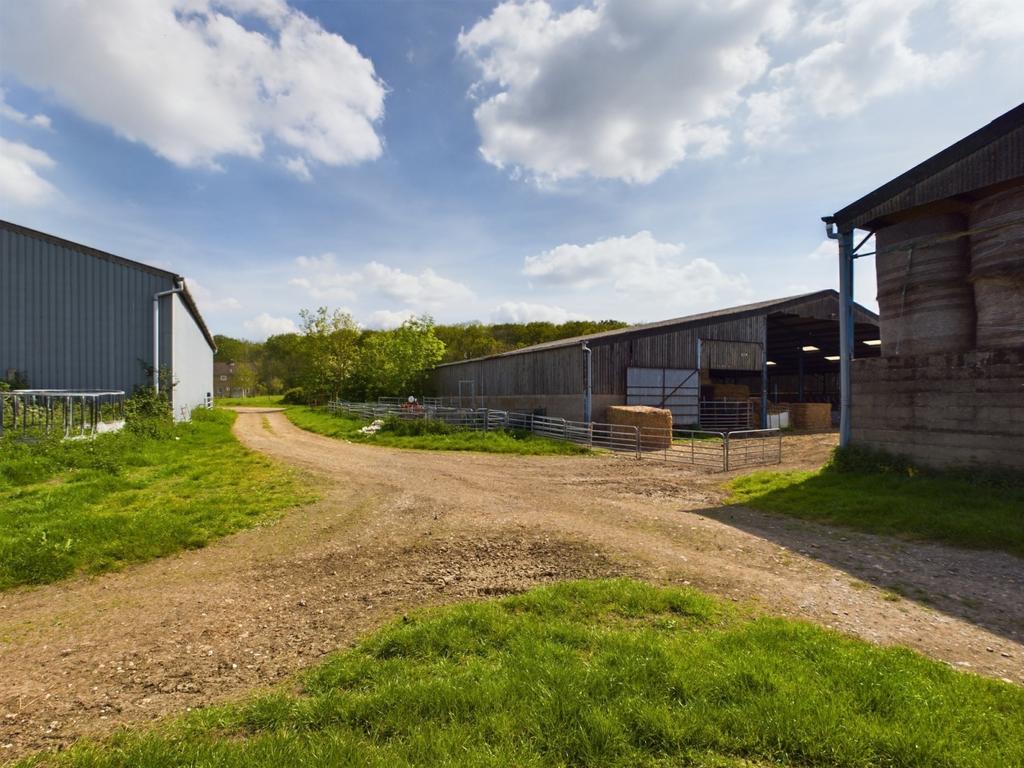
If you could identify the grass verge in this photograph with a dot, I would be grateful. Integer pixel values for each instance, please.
(90, 506)
(879, 494)
(257, 401)
(430, 436)
(610, 673)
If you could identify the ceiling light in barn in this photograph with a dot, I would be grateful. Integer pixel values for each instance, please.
(832, 358)
(769, 362)
(810, 348)
(874, 342)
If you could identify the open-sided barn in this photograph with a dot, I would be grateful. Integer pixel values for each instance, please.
(949, 256)
(77, 318)
(707, 368)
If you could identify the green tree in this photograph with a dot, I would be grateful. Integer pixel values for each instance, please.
(330, 346)
(396, 362)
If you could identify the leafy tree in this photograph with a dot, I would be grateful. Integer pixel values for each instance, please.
(396, 362)
(330, 345)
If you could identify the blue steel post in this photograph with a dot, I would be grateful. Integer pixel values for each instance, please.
(845, 333)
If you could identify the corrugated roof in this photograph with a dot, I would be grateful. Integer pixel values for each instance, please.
(992, 155)
(186, 297)
(758, 307)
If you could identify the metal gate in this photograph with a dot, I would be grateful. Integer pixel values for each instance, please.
(677, 389)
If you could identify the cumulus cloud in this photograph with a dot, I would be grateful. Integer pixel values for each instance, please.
(386, 319)
(324, 278)
(197, 80)
(635, 267)
(7, 112)
(525, 312)
(614, 89)
(860, 51)
(20, 181)
(989, 20)
(264, 325)
(208, 301)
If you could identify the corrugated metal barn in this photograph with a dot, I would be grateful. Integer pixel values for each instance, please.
(949, 256)
(677, 364)
(76, 318)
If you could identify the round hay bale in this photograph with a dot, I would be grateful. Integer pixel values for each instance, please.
(925, 300)
(655, 424)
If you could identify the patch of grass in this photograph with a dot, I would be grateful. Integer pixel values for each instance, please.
(257, 401)
(879, 494)
(94, 505)
(610, 673)
(429, 436)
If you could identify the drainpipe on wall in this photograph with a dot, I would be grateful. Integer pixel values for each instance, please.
(588, 393)
(156, 330)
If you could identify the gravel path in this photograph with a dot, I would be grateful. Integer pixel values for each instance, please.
(398, 529)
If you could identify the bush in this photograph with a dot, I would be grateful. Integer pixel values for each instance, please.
(294, 396)
(148, 413)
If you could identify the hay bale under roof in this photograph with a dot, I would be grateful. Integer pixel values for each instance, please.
(655, 424)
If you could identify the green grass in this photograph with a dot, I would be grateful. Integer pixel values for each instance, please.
(421, 435)
(977, 511)
(613, 673)
(91, 506)
(259, 401)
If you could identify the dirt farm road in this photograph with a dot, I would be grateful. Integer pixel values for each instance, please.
(399, 529)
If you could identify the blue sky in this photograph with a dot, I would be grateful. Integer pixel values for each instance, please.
(478, 160)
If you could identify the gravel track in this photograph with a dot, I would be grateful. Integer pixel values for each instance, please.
(399, 529)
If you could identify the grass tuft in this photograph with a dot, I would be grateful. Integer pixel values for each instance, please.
(94, 505)
(611, 673)
(881, 494)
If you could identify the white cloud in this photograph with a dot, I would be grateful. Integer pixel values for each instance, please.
(207, 301)
(8, 112)
(860, 51)
(191, 80)
(614, 89)
(385, 319)
(297, 167)
(989, 20)
(525, 312)
(20, 181)
(826, 250)
(264, 325)
(634, 267)
(323, 278)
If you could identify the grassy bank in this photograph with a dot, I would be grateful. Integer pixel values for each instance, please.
(613, 673)
(880, 495)
(93, 505)
(430, 436)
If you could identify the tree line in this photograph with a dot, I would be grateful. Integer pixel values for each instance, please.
(331, 356)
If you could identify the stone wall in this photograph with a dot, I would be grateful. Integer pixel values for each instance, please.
(942, 410)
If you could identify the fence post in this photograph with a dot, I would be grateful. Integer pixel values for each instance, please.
(639, 453)
(725, 455)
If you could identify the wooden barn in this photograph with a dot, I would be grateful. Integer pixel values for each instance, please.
(949, 256)
(721, 369)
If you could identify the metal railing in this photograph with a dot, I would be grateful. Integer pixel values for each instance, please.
(84, 413)
(701, 448)
(726, 415)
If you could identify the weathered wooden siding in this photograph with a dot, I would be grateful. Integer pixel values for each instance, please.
(560, 371)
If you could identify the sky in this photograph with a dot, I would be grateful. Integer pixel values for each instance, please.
(493, 161)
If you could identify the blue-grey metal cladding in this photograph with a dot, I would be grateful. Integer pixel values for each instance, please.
(70, 319)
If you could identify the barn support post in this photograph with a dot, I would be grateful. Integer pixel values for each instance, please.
(845, 333)
(764, 376)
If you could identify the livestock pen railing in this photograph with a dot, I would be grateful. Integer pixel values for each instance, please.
(703, 448)
(83, 413)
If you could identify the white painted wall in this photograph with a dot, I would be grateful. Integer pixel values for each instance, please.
(191, 361)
